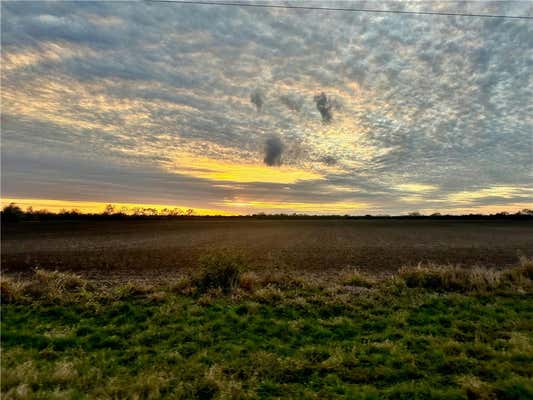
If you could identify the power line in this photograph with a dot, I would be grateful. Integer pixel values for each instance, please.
(289, 7)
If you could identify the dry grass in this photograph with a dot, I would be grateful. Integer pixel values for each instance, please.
(455, 278)
(50, 285)
(224, 276)
(358, 278)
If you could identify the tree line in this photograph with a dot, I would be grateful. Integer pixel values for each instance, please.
(13, 213)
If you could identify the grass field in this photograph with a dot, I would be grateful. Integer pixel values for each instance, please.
(291, 317)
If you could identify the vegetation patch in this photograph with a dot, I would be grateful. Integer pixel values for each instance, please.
(219, 271)
(400, 338)
(454, 278)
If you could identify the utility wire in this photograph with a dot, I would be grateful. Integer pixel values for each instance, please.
(236, 4)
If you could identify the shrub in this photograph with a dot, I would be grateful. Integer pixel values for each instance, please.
(54, 284)
(359, 279)
(49, 285)
(454, 278)
(450, 278)
(219, 271)
(284, 280)
(248, 281)
(11, 291)
(132, 289)
(526, 267)
(183, 285)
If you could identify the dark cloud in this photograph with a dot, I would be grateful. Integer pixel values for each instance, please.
(325, 106)
(257, 99)
(273, 151)
(329, 160)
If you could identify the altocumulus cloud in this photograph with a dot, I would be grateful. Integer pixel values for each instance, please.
(108, 94)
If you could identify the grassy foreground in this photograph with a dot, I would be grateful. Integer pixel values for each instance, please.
(428, 333)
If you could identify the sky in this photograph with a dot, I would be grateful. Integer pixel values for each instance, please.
(238, 110)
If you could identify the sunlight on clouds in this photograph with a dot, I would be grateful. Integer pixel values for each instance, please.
(415, 187)
(287, 206)
(222, 170)
(343, 189)
(21, 59)
(84, 105)
(504, 192)
(105, 20)
(13, 60)
(46, 101)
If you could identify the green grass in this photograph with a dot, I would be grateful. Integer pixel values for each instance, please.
(311, 342)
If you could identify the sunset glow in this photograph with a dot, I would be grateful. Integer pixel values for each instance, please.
(101, 105)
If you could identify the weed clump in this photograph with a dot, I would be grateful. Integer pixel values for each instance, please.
(524, 270)
(220, 271)
(44, 285)
(357, 278)
(11, 291)
(456, 279)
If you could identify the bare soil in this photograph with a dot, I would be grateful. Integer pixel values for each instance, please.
(158, 249)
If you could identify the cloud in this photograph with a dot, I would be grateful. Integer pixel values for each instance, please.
(421, 101)
(292, 101)
(416, 187)
(273, 151)
(329, 160)
(325, 105)
(257, 99)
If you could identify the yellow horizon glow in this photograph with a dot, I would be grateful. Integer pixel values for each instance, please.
(226, 206)
(54, 205)
(480, 209)
(238, 172)
(242, 207)
(334, 207)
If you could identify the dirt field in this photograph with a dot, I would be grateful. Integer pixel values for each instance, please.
(149, 249)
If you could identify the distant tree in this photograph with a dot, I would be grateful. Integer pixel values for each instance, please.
(414, 214)
(526, 211)
(124, 210)
(109, 209)
(12, 212)
(149, 211)
(189, 212)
